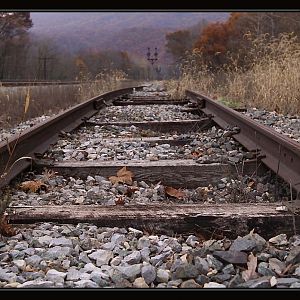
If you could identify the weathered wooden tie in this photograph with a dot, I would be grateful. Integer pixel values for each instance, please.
(149, 102)
(184, 173)
(230, 219)
(164, 126)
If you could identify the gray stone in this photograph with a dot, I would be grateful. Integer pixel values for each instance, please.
(201, 279)
(260, 242)
(214, 285)
(117, 238)
(161, 285)
(162, 275)
(276, 265)
(279, 240)
(6, 276)
(263, 269)
(287, 281)
(130, 272)
(297, 271)
(145, 252)
(84, 276)
(55, 276)
(242, 244)
(261, 282)
(85, 284)
(45, 240)
(116, 261)
(294, 256)
(159, 258)
(62, 241)
(190, 284)
(102, 257)
(148, 273)
(108, 246)
(100, 278)
(20, 264)
(56, 252)
(140, 283)
(174, 283)
(235, 281)
(12, 285)
(119, 280)
(16, 254)
(229, 269)
(174, 245)
(133, 258)
(192, 241)
(214, 263)
(221, 277)
(33, 260)
(202, 265)
(143, 242)
(90, 267)
(73, 274)
(213, 245)
(295, 285)
(83, 257)
(4, 257)
(38, 283)
(136, 232)
(263, 257)
(185, 270)
(231, 256)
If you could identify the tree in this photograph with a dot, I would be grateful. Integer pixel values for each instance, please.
(222, 43)
(178, 43)
(13, 24)
(13, 40)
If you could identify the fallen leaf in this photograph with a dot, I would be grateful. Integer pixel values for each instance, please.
(120, 200)
(196, 154)
(27, 101)
(252, 264)
(33, 186)
(174, 192)
(273, 281)
(48, 174)
(250, 184)
(6, 229)
(130, 190)
(123, 176)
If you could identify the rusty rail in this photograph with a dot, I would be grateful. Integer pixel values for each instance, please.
(38, 138)
(281, 154)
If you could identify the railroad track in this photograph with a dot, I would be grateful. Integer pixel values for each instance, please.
(178, 174)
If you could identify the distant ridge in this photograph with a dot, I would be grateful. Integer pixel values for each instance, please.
(131, 32)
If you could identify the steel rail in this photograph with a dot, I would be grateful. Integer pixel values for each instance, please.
(37, 139)
(280, 153)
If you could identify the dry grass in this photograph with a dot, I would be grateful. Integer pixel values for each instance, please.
(52, 99)
(272, 82)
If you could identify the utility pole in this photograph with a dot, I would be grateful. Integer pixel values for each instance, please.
(45, 59)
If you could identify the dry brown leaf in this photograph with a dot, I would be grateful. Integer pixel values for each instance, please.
(123, 176)
(174, 192)
(48, 174)
(33, 186)
(130, 190)
(27, 101)
(252, 264)
(5, 228)
(120, 200)
(251, 183)
(196, 154)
